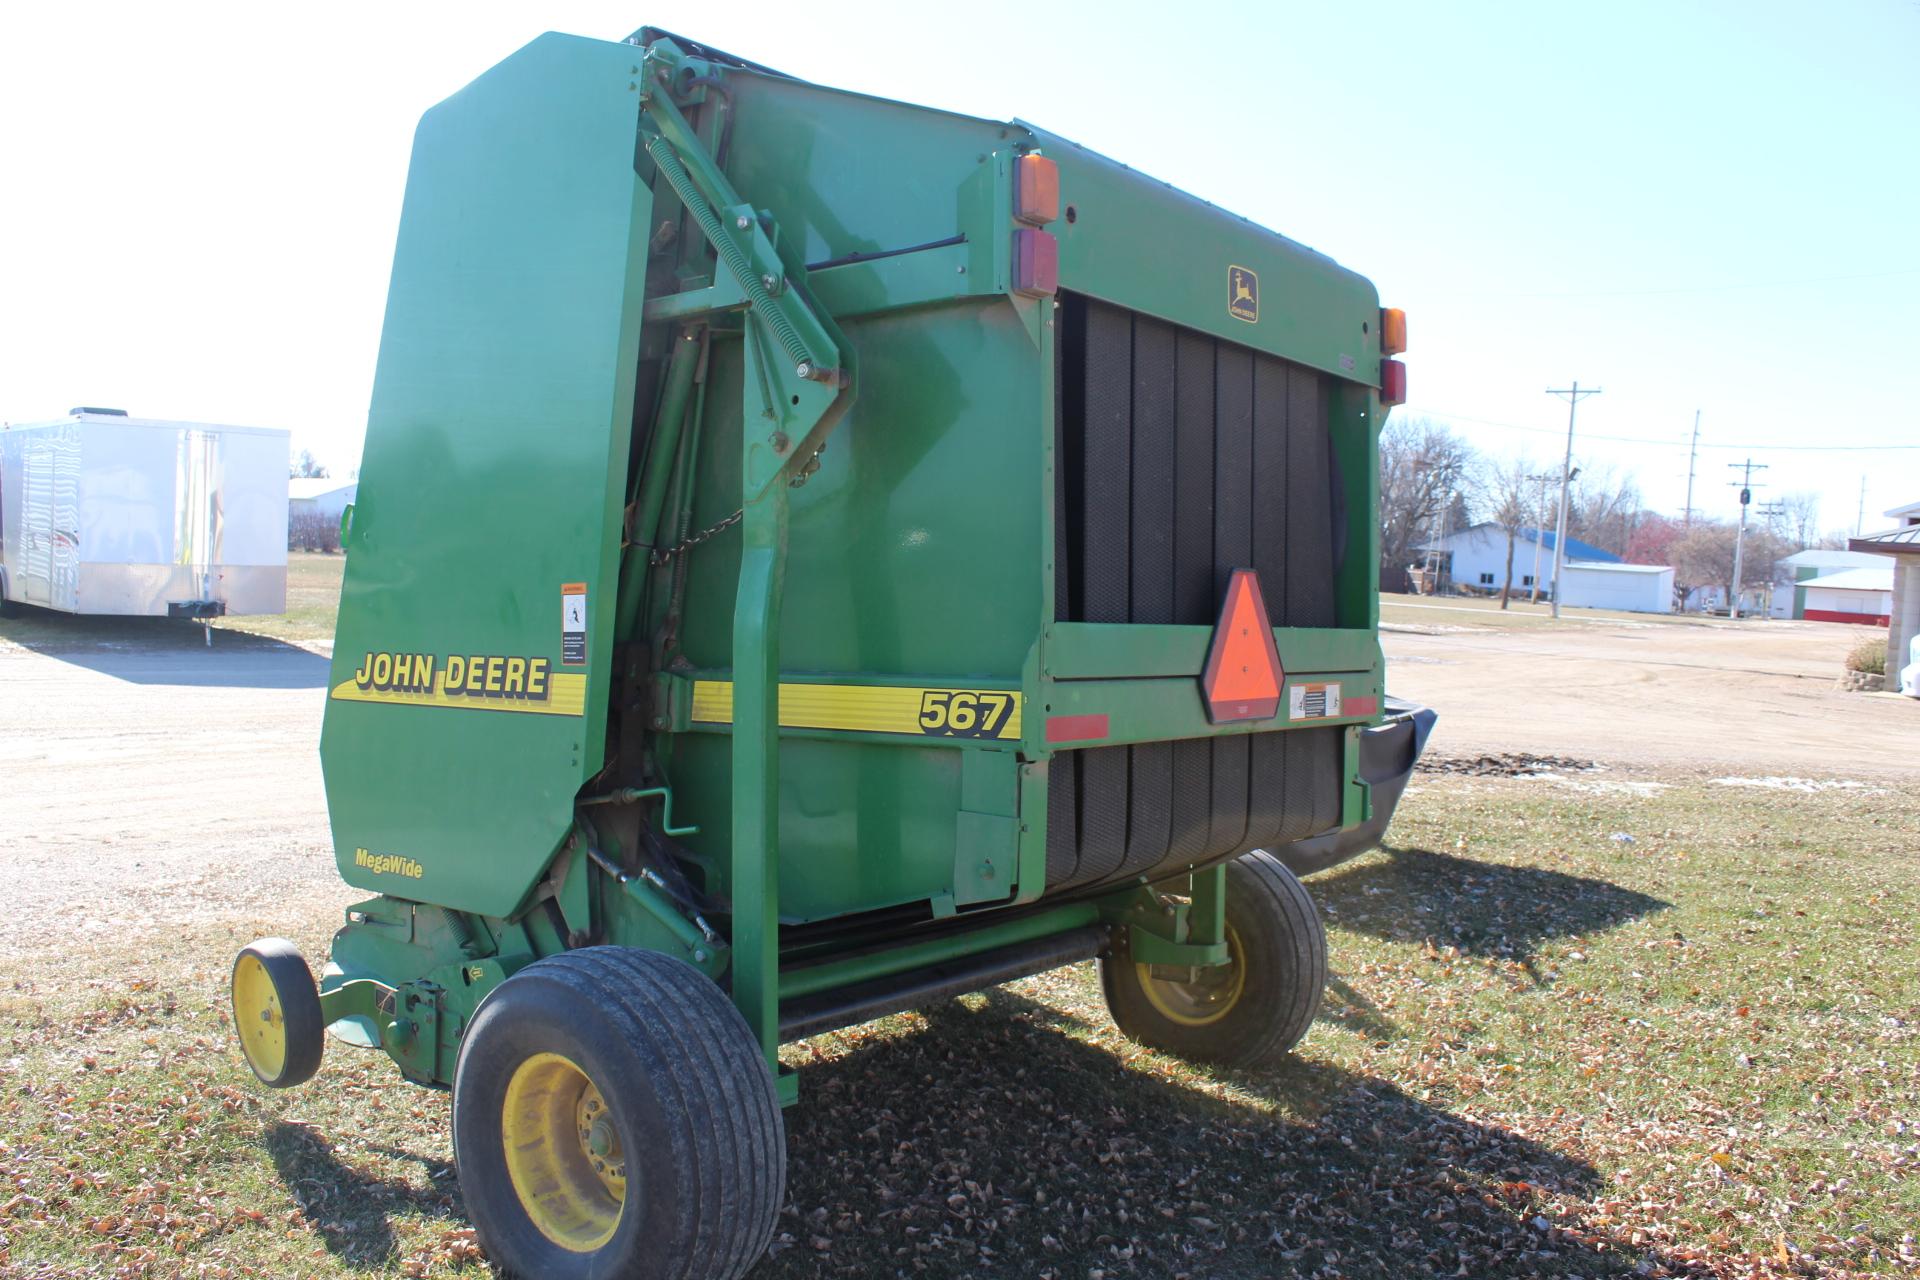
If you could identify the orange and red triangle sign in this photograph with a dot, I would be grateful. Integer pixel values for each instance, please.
(1243, 676)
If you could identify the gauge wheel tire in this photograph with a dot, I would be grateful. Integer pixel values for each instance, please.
(276, 1013)
(1255, 1007)
(613, 1117)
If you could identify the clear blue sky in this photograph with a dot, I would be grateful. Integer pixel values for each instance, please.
(1693, 205)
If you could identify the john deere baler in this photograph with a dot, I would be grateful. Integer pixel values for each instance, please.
(815, 556)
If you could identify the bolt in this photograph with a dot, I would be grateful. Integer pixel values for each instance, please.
(699, 956)
(803, 370)
(779, 441)
(592, 1105)
(961, 269)
(266, 1015)
(661, 722)
(743, 222)
(772, 282)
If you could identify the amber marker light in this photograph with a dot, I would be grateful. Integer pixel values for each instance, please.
(1036, 190)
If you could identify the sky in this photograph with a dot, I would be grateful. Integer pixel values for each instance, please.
(1692, 205)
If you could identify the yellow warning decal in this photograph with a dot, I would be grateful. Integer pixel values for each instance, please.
(873, 708)
(475, 682)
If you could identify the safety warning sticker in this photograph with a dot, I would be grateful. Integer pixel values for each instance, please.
(573, 624)
(1313, 702)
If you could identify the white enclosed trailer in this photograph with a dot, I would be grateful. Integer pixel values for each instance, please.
(102, 513)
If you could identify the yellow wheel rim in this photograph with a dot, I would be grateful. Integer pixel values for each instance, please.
(1195, 997)
(258, 1020)
(563, 1153)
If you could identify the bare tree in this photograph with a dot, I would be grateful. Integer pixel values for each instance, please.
(1507, 489)
(1605, 508)
(308, 467)
(1422, 466)
(1703, 557)
(1800, 518)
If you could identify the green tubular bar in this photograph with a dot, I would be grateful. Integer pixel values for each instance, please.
(829, 974)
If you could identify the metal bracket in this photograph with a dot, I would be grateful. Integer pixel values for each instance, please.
(798, 382)
(1158, 931)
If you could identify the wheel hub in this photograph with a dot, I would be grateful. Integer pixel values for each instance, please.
(563, 1153)
(1196, 997)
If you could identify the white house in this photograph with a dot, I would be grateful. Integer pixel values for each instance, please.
(1851, 595)
(321, 497)
(1476, 559)
(1791, 574)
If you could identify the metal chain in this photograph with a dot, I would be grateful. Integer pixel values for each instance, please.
(803, 473)
(695, 539)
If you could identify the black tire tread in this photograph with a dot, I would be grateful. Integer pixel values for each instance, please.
(305, 1026)
(1272, 910)
(703, 1065)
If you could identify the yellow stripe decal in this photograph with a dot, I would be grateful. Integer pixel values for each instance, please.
(871, 708)
(480, 682)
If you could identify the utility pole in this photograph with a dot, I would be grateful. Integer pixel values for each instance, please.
(1574, 396)
(1539, 534)
(1693, 456)
(1860, 516)
(1772, 514)
(1745, 485)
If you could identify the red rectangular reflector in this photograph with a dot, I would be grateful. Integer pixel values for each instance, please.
(1036, 263)
(1076, 728)
(1393, 383)
(1359, 706)
(1243, 676)
(1036, 190)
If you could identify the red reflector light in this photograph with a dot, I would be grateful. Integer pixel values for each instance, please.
(1036, 262)
(1393, 331)
(1243, 675)
(1393, 383)
(1076, 728)
(1036, 190)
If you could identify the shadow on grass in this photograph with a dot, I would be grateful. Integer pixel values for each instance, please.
(996, 1141)
(166, 651)
(1483, 908)
(350, 1209)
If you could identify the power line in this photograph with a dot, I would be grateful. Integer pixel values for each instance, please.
(1670, 444)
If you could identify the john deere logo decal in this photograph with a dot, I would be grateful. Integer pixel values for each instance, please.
(1243, 294)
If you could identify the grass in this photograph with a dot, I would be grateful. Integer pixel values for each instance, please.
(1546, 1051)
(313, 598)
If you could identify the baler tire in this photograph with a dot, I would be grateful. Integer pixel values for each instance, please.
(1269, 993)
(276, 1013)
(695, 1134)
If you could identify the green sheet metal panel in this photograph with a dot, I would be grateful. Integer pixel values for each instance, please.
(915, 552)
(495, 457)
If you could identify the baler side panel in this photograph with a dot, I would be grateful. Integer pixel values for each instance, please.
(492, 479)
(913, 554)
